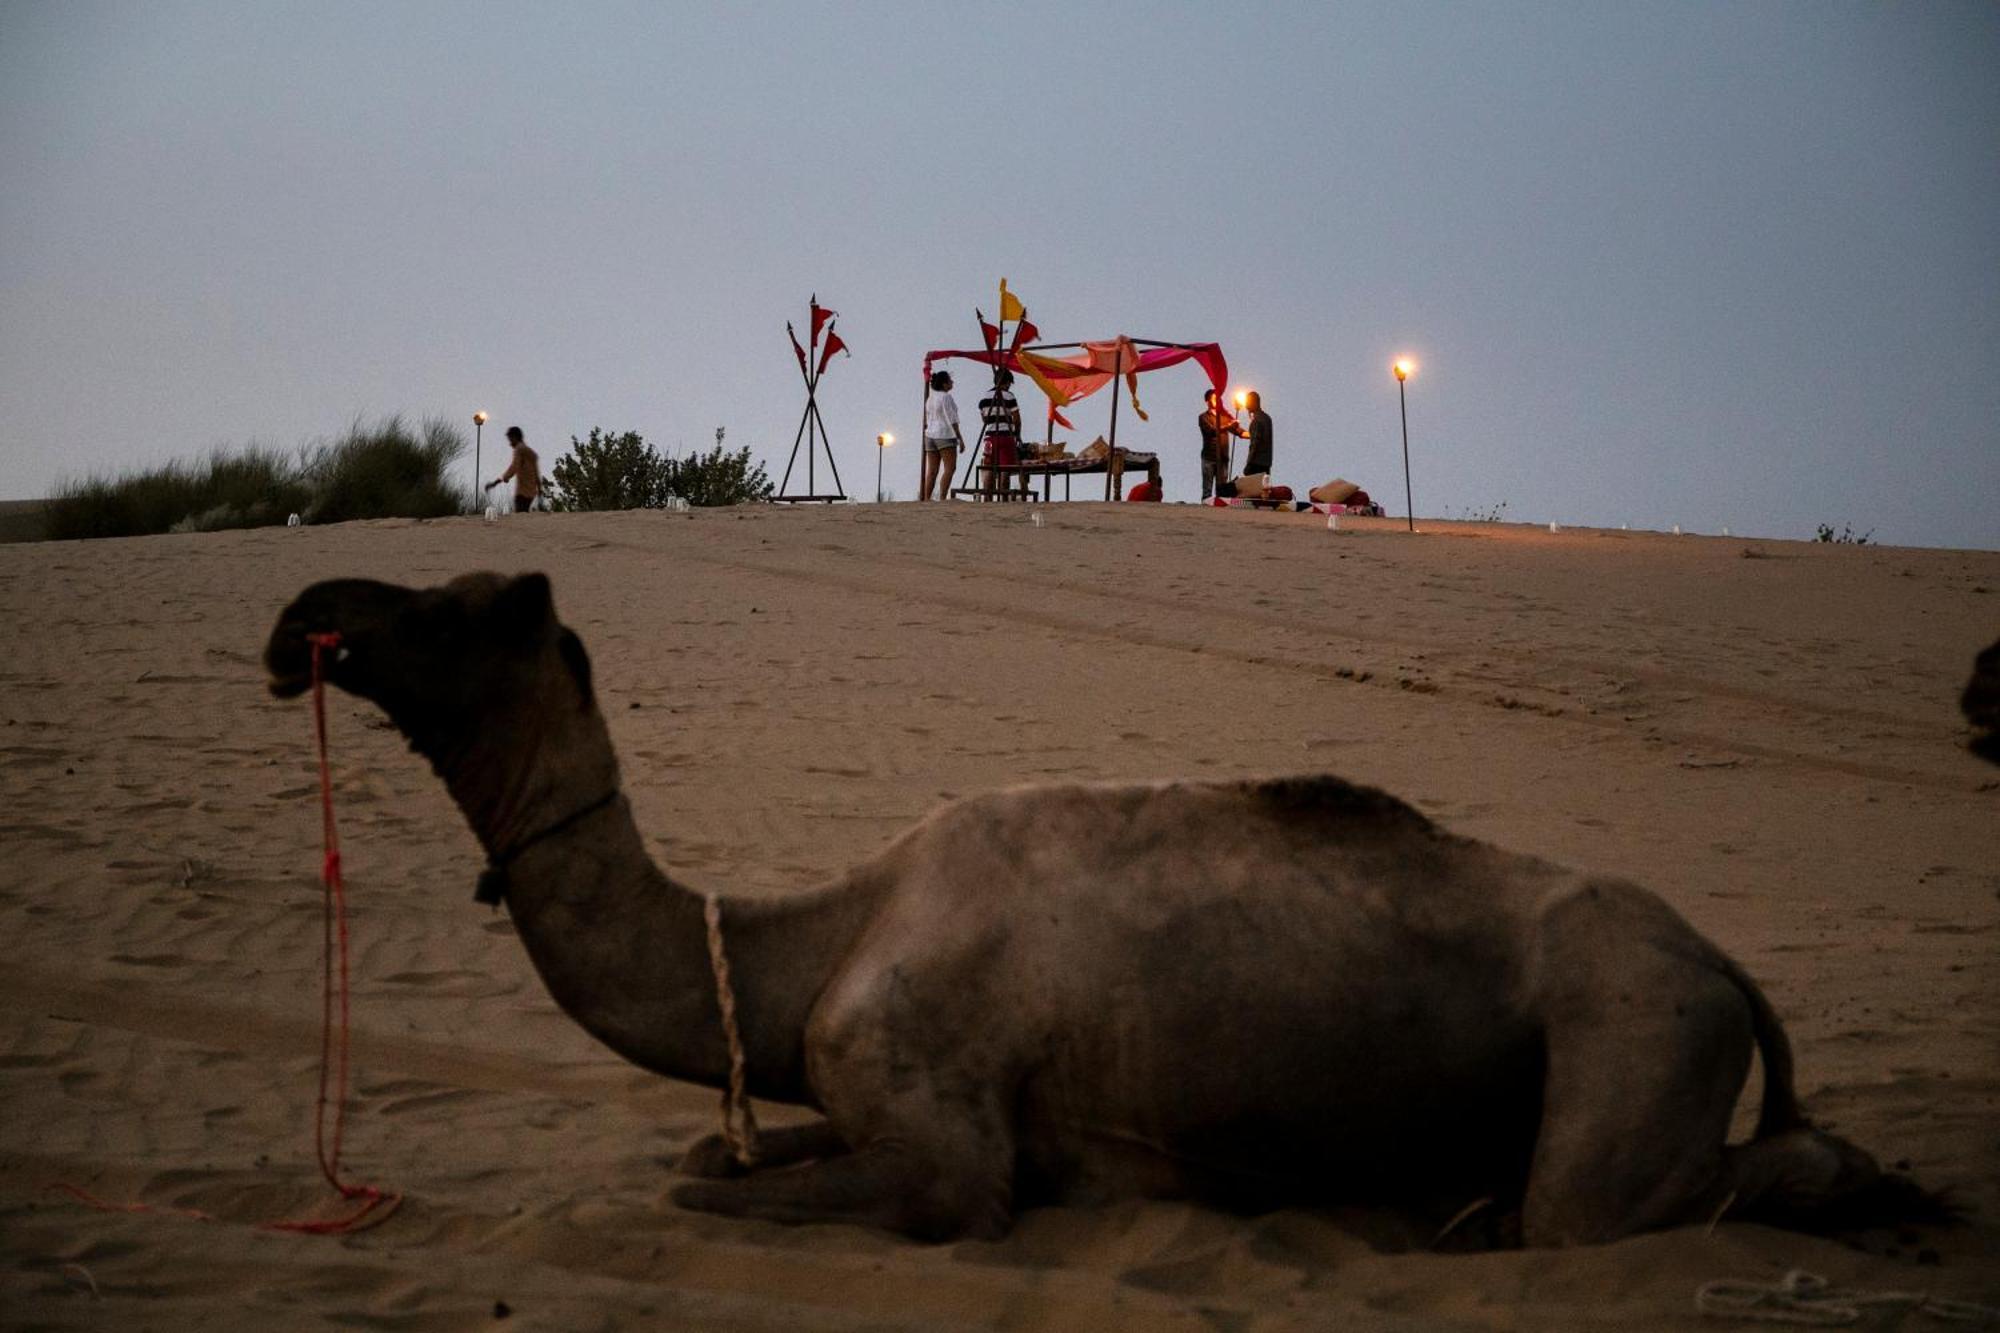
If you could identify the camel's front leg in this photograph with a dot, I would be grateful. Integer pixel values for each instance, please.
(902, 1060)
(888, 1184)
(930, 1166)
(711, 1157)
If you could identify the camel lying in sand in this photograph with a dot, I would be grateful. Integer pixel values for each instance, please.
(1290, 990)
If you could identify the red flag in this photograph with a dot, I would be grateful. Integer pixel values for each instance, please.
(1059, 418)
(796, 348)
(990, 332)
(1025, 333)
(820, 316)
(833, 344)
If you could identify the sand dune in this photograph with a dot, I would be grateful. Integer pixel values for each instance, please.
(1763, 732)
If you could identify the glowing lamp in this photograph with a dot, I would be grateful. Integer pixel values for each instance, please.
(1402, 368)
(882, 443)
(478, 438)
(1242, 400)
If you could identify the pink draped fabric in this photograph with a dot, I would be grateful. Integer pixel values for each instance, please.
(1085, 374)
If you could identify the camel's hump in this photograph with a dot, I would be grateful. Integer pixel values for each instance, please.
(1324, 797)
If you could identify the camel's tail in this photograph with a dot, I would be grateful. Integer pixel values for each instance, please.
(1827, 1184)
(1781, 1104)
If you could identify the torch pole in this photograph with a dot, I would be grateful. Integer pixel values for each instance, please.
(478, 438)
(1403, 401)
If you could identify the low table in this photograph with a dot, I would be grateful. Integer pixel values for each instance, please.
(1113, 467)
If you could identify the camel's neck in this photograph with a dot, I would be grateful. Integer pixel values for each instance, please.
(621, 946)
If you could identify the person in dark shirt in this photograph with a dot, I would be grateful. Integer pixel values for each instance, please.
(1216, 428)
(1260, 435)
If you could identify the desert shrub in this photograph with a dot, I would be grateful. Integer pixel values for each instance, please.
(382, 472)
(1846, 535)
(718, 478)
(610, 471)
(247, 489)
(388, 471)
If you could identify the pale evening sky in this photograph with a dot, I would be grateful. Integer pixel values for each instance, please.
(1698, 263)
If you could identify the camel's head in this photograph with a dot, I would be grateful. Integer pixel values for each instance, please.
(1981, 703)
(441, 662)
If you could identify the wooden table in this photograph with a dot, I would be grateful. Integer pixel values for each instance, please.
(1113, 467)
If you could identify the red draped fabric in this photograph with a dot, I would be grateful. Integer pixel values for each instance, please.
(1084, 374)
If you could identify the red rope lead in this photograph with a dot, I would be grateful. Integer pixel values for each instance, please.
(376, 1204)
(106, 1206)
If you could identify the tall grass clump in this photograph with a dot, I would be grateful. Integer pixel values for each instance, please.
(247, 489)
(387, 471)
(384, 472)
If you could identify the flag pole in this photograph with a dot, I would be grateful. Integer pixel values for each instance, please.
(812, 392)
(812, 431)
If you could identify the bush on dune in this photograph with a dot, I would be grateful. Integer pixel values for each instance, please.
(387, 472)
(243, 490)
(384, 472)
(718, 478)
(610, 471)
(622, 471)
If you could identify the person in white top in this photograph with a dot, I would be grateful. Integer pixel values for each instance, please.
(941, 438)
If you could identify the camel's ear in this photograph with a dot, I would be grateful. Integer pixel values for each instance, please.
(525, 605)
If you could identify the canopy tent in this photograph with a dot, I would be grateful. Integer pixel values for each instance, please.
(1066, 379)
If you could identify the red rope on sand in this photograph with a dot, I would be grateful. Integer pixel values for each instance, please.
(333, 1040)
(376, 1204)
(106, 1206)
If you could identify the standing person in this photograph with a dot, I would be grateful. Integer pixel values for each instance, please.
(525, 469)
(1259, 460)
(941, 438)
(1216, 428)
(1001, 417)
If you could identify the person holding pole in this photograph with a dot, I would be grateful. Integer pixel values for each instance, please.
(942, 440)
(1216, 428)
(1259, 434)
(524, 469)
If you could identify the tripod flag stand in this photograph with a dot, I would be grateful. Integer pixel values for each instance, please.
(812, 431)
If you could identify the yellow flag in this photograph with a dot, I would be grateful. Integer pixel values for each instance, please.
(1033, 364)
(1010, 304)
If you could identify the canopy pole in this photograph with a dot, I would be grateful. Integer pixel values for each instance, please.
(1112, 457)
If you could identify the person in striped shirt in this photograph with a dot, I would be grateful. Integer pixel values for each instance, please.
(1001, 417)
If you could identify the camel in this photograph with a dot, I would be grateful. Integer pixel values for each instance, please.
(1255, 992)
(1981, 704)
